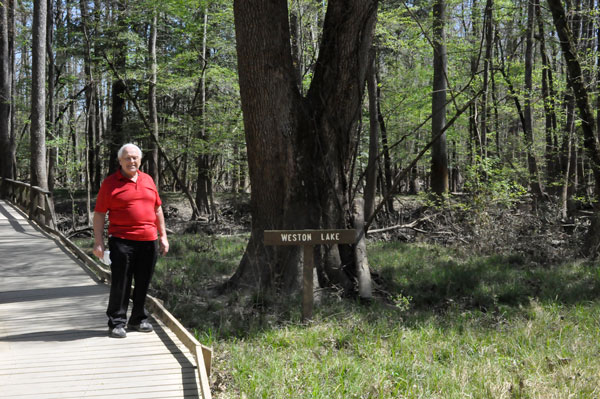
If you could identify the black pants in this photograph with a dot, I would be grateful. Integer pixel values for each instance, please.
(130, 261)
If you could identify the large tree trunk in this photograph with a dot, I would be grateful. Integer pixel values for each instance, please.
(38, 97)
(6, 136)
(300, 149)
(334, 101)
(590, 140)
(439, 150)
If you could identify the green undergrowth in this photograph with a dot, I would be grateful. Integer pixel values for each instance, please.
(449, 327)
(543, 351)
(443, 325)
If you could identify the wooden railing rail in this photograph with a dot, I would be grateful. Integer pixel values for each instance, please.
(36, 202)
(38, 205)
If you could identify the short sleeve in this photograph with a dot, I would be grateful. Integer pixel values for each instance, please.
(157, 201)
(102, 199)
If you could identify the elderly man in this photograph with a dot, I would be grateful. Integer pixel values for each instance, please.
(134, 214)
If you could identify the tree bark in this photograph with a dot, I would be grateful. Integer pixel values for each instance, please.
(590, 140)
(363, 271)
(371, 173)
(38, 97)
(204, 179)
(11, 55)
(91, 154)
(296, 40)
(439, 150)
(152, 108)
(487, 66)
(548, 95)
(387, 163)
(300, 148)
(50, 117)
(117, 138)
(98, 111)
(473, 150)
(598, 81)
(7, 157)
(534, 179)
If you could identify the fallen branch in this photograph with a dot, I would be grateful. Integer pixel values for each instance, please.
(401, 174)
(412, 225)
(79, 231)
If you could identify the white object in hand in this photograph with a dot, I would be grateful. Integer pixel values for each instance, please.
(106, 258)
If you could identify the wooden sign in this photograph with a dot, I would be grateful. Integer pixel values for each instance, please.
(308, 239)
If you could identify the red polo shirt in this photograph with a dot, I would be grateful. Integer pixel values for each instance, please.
(131, 206)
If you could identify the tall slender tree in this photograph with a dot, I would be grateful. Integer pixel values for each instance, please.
(204, 181)
(535, 183)
(152, 107)
(50, 111)
(7, 156)
(118, 97)
(484, 113)
(548, 95)
(91, 153)
(38, 97)
(371, 173)
(439, 150)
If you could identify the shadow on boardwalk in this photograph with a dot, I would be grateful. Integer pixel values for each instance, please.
(53, 329)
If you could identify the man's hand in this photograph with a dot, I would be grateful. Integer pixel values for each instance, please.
(163, 244)
(99, 250)
(98, 222)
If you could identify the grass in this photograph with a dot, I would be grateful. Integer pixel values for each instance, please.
(451, 326)
(547, 351)
(549, 354)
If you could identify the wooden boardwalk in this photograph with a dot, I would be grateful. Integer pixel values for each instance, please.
(53, 334)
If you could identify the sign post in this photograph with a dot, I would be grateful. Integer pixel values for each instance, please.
(308, 239)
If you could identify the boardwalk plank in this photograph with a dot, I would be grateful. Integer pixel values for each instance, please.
(53, 332)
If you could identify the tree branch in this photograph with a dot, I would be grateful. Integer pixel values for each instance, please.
(404, 171)
(149, 129)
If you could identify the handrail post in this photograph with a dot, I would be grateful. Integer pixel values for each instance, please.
(36, 202)
(3, 188)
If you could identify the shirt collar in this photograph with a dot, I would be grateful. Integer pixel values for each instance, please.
(121, 177)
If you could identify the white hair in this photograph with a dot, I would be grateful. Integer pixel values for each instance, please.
(120, 152)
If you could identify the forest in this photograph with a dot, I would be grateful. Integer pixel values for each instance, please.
(117, 71)
(473, 98)
(468, 125)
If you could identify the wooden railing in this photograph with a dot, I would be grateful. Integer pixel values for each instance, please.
(38, 204)
(34, 201)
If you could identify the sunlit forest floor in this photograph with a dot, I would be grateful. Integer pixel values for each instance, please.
(474, 301)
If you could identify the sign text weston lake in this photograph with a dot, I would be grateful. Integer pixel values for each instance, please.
(309, 237)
